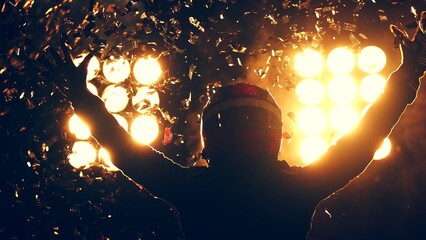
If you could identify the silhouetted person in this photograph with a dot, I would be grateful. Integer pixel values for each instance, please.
(246, 193)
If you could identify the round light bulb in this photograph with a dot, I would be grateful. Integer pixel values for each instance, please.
(342, 89)
(310, 91)
(83, 155)
(116, 70)
(311, 120)
(371, 87)
(371, 59)
(145, 129)
(115, 98)
(343, 118)
(308, 63)
(80, 129)
(341, 61)
(147, 71)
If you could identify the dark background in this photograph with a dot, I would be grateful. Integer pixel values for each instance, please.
(43, 197)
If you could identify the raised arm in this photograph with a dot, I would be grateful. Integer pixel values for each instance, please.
(140, 162)
(353, 152)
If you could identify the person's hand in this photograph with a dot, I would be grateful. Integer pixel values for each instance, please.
(413, 49)
(64, 75)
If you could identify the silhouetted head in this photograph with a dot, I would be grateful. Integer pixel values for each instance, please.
(241, 121)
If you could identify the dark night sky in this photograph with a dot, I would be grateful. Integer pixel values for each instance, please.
(43, 197)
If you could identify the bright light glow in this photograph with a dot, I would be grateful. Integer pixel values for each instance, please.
(80, 129)
(341, 61)
(145, 129)
(105, 158)
(310, 91)
(311, 148)
(145, 98)
(311, 120)
(147, 70)
(92, 88)
(343, 118)
(115, 98)
(308, 63)
(122, 121)
(384, 150)
(371, 59)
(365, 109)
(342, 89)
(93, 68)
(83, 154)
(371, 87)
(116, 70)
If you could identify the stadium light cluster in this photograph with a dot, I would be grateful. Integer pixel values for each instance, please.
(142, 74)
(335, 91)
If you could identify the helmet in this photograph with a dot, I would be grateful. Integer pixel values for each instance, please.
(240, 120)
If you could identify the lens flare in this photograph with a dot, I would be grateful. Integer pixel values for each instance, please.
(311, 148)
(341, 61)
(80, 129)
(83, 155)
(342, 89)
(384, 150)
(343, 118)
(371, 59)
(371, 87)
(115, 98)
(311, 120)
(147, 71)
(310, 91)
(116, 70)
(308, 63)
(145, 129)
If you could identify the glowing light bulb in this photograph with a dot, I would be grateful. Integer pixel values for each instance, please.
(145, 98)
(341, 61)
(105, 158)
(83, 155)
(145, 129)
(371, 59)
(308, 63)
(116, 70)
(342, 89)
(122, 121)
(80, 129)
(311, 120)
(371, 87)
(343, 118)
(93, 68)
(147, 71)
(311, 148)
(384, 150)
(115, 98)
(310, 91)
